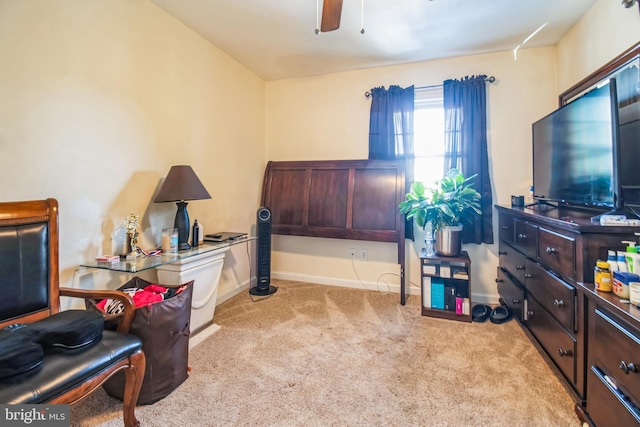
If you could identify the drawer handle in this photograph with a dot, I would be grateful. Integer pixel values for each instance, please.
(505, 227)
(564, 353)
(551, 251)
(519, 267)
(528, 276)
(558, 302)
(522, 236)
(515, 301)
(502, 252)
(499, 281)
(628, 367)
(529, 313)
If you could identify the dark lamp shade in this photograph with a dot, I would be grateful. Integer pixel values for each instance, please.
(181, 183)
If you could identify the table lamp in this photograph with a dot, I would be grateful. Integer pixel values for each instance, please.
(182, 184)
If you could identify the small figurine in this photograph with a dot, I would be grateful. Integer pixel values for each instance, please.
(131, 223)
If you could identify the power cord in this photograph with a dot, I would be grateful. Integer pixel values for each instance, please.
(378, 279)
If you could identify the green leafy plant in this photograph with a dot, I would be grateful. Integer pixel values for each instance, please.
(449, 201)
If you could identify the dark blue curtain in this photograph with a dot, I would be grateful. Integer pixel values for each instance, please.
(465, 123)
(391, 123)
(391, 130)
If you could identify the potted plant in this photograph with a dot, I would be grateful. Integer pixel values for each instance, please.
(451, 200)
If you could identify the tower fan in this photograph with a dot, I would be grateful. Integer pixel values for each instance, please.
(263, 255)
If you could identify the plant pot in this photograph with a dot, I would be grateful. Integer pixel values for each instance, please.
(448, 241)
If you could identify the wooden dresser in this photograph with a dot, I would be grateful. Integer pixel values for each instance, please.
(545, 254)
(613, 360)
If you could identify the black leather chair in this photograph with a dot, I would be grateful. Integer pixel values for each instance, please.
(29, 290)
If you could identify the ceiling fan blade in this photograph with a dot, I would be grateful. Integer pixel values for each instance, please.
(331, 12)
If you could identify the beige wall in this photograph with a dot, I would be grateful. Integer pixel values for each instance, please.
(604, 32)
(98, 99)
(327, 117)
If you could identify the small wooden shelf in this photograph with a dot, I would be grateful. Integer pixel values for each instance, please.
(451, 275)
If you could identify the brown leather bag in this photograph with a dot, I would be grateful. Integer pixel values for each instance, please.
(164, 329)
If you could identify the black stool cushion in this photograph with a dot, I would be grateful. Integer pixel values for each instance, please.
(18, 354)
(22, 346)
(64, 369)
(67, 329)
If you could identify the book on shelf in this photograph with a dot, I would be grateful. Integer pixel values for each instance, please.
(426, 292)
(450, 298)
(459, 302)
(445, 271)
(437, 293)
(465, 306)
(429, 269)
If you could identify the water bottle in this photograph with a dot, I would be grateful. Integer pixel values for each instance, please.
(195, 238)
(428, 242)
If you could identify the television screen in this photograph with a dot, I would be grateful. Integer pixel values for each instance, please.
(574, 151)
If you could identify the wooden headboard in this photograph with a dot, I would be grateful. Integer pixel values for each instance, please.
(341, 199)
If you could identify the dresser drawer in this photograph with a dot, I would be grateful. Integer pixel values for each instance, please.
(559, 344)
(512, 261)
(558, 252)
(511, 293)
(557, 297)
(526, 238)
(506, 228)
(608, 407)
(616, 351)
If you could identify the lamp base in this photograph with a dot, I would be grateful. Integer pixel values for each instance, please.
(182, 224)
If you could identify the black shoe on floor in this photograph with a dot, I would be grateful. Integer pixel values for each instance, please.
(501, 314)
(480, 313)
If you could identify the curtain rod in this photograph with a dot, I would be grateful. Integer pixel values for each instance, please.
(489, 79)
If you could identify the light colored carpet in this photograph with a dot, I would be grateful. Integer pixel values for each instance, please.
(315, 355)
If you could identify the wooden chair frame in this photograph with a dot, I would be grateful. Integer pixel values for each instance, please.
(133, 366)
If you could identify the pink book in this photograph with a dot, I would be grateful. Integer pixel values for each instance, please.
(459, 305)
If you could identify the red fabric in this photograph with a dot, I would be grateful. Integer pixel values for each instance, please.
(156, 289)
(141, 297)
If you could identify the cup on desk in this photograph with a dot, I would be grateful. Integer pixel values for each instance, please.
(169, 240)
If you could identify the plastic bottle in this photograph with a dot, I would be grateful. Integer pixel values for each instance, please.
(200, 233)
(195, 238)
(631, 256)
(622, 261)
(602, 277)
(612, 259)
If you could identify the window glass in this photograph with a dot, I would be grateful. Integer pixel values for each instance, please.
(428, 122)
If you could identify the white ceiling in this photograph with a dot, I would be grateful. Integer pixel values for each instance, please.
(276, 39)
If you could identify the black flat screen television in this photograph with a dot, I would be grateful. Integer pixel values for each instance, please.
(576, 152)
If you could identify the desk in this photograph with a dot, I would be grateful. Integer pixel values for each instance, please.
(145, 263)
(202, 264)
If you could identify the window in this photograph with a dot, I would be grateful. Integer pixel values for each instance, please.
(428, 122)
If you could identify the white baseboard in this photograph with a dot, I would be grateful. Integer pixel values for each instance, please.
(202, 335)
(332, 281)
(371, 286)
